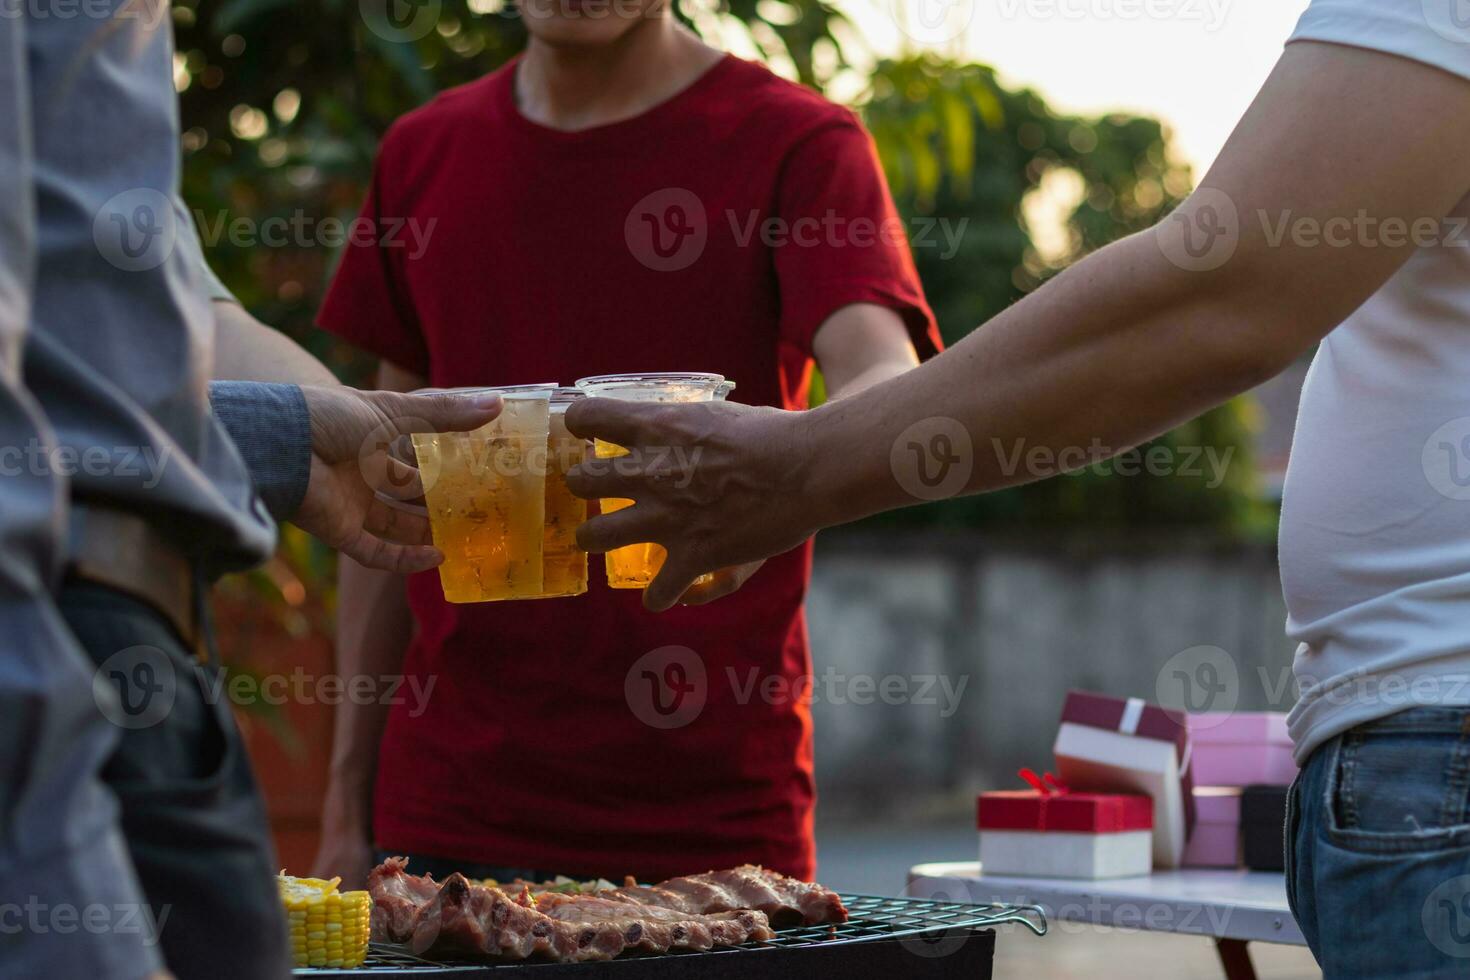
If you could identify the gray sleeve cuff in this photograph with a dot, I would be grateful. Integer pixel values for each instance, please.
(271, 426)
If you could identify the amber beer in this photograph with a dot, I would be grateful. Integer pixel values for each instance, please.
(635, 566)
(486, 496)
(565, 565)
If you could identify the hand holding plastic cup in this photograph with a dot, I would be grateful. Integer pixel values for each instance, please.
(634, 566)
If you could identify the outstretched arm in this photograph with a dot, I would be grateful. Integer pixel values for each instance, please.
(1140, 336)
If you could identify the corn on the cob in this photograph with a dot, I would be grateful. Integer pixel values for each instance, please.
(328, 927)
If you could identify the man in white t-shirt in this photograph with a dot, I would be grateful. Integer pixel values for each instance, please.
(1338, 212)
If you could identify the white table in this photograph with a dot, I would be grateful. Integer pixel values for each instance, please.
(1233, 907)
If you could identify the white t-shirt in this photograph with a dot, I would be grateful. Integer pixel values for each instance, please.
(1375, 522)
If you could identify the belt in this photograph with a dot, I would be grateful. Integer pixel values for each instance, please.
(121, 551)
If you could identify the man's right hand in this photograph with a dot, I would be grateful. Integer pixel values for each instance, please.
(353, 470)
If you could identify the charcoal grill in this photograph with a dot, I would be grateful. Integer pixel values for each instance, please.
(883, 937)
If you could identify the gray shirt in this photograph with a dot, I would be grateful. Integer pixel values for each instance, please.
(121, 344)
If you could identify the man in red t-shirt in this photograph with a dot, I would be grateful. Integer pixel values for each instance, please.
(620, 198)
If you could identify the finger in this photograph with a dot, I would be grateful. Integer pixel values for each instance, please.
(392, 522)
(595, 478)
(720, 584)
(613, 420)
(393, 479)
(371, 551)
(631, 525)
(444, 411)
(672, 581)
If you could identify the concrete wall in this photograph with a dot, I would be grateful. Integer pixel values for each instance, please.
(899, 623)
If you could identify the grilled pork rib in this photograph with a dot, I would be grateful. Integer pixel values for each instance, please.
(785, 901)
(397, 898)
(463, 919)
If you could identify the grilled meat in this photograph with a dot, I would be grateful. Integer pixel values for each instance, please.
(467, 920)
(785, 901)
(397, 898)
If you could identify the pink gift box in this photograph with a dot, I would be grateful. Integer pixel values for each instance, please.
(1240, 748)
(1215, 842)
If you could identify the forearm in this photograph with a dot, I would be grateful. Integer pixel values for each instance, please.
(862, 345)
(1141, 336)
(248, 350)
(870, 376)
(374, 627)
(1117, 350)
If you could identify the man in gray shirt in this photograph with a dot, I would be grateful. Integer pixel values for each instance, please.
(122, 494)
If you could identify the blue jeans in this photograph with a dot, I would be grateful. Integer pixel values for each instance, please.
(195, 824)
(1378, 848)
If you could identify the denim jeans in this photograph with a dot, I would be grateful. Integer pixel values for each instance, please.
(1378, 848)
(195, 824)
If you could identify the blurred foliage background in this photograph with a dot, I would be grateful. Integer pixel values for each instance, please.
(283, 102)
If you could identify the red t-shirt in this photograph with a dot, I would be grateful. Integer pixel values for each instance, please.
(534, 260)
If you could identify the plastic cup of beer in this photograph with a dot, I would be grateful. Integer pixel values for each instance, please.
(635, 566)
(565, 564)
(486, 496)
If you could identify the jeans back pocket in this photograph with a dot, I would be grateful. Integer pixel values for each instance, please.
(1400, 789)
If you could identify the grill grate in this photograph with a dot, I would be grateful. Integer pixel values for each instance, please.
(871, 917)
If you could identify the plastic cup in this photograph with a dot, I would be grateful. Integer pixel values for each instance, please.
(486, 496)
(635, 566)
(565, 565)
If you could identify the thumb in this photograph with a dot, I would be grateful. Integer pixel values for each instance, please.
(440, 411)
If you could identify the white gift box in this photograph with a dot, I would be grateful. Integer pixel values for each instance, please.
(1037, 854)
(1123, 745)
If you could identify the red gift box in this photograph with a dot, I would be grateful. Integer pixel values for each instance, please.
(1087, 813)
(1050, 831)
